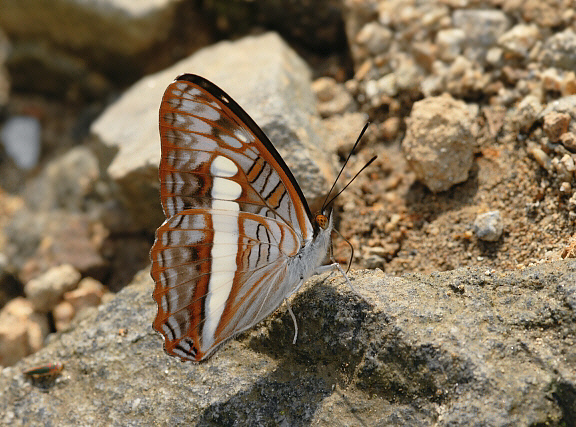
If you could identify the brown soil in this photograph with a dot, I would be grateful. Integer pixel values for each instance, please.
(388, 214)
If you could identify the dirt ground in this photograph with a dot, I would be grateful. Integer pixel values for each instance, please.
(397, 224)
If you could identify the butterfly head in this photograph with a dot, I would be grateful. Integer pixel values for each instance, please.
(323, 220)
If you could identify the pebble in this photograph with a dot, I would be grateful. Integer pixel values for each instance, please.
(519, 40)
(556, 124)
(46, 290)
(449, 43)
(439, 144)
(560, 50)
(488, 226)
(540, 156)
(568, 140)
(21, 136)
(375, 38)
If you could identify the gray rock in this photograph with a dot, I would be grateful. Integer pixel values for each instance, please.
(68, 182)
(464, 347)
(269, 80)
(488, 226)
(70, 48)
(116, 26)
(46, 290)
(526, 113)
(21, 138)
(375, 38)
(482, 29)
(438, 144)
(560, 50)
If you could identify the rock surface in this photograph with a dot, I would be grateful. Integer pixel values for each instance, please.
(455, 348)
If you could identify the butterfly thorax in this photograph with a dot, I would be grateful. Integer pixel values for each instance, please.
(313, 253)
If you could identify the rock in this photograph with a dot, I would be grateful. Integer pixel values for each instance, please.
(519, 40)
(22, 331)
(21, 138)
(343, 131)
(89, 293)
(114, 37)
(540, 156)
(488, 226)
(438, 145)
(39, 240)
(559, 50)
(46, 291)
(564, 168)
(467, 346)
(450, 42)
(551, 80)
(375, 38)
(390, 128)
(526, 113)
(270, 81)
(545, 13)
(482, 29)
(333, 98)
(569, 84)
(63, 313)
(69, 182)
(555, 125)
(568, 140)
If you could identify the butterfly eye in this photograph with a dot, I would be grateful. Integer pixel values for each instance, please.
(322, 221)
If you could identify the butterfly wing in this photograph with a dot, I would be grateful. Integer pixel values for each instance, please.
(235, 216)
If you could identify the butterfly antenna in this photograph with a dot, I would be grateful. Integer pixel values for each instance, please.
(352, 180)
(344, 165)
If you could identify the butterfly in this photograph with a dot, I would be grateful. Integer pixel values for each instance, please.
(239, 237)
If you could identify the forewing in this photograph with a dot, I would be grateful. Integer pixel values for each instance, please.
(205, 136)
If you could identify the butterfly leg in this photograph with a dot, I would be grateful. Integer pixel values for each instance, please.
(293, 319)
(336, 266)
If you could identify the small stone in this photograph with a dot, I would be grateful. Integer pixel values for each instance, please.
(555, 125)
(526, 113)
(482, 29)
(568, 140)
(333, 97)
(21, 136)
(22, 331)
(89, 293)
(63, 314)
(438, 144)
(450, 43)
(374, 261)
(519, 40)
(46, 290)
(390, 128)
(551, 80)
(540, 156)
(559, 50)
(374, 37)
(564, 167)
(325, 88)
(565, 188)
(488, 226)
(569, 84)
